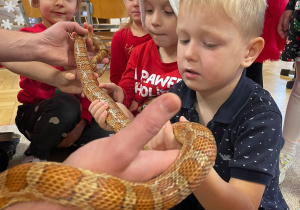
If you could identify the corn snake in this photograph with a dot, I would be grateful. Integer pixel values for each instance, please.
(84, 189)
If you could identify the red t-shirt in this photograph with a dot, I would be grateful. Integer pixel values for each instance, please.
(34, 92)
(146, 76)
(274, 44)
(121, 46)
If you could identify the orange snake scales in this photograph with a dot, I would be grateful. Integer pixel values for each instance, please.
(84, 189)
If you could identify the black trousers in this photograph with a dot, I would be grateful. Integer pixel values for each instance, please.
(46, 123)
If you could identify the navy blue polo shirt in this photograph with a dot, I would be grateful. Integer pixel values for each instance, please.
(248, 133)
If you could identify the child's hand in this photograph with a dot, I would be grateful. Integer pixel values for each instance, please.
(283, 24)
(98, 111)
(114, 91)
(165, 139)
(68, 81)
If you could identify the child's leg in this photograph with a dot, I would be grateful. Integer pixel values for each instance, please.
(291, 126)
(45, 123)
(90, 133)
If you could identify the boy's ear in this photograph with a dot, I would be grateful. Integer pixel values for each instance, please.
(254, 48)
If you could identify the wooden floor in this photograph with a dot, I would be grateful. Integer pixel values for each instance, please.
(273, 82)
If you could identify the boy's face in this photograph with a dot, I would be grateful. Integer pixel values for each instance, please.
(210, 50)
(133, 10)
(160, 22)
(54, 11)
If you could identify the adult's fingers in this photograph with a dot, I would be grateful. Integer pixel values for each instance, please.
(73, 27)
(147, 124)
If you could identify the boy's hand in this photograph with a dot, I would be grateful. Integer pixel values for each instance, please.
(98, 111)
(165, 139)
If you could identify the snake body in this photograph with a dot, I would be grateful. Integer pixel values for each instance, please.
(84, 189)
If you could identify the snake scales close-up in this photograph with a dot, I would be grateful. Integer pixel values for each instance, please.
(84, 189)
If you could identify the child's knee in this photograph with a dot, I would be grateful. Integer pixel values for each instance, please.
(66, 107)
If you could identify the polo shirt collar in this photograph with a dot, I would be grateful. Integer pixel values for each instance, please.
(232, 106)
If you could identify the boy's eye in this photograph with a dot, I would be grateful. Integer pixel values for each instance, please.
(184, 42)
(208, 45)
(169, 12)
(149, 10)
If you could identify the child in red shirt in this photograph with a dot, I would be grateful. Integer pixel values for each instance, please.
(274, 44)
(130, 35)
(152, 68)
(49, 118)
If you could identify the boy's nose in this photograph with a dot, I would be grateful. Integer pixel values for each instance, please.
(190, 53)
(156, 20)
(136, 3)
(58, 2)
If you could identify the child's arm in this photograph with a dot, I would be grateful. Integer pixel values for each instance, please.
(215, 193)
(127, 82)
(118, 58)
(66, 81)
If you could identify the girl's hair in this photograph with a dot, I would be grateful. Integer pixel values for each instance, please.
(127, 23)
(174, 4)
(32, 2)
(248, 15)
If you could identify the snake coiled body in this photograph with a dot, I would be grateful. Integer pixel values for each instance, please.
(84, 189)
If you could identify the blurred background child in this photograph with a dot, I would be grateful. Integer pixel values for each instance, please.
(289, 29)
(152, 68)
(131, 34)
(274, 44)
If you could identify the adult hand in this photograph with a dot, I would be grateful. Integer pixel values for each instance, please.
(92, 50)
(56, 46)
(283, 24)
(122, 154)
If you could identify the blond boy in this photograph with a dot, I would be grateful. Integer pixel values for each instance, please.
(217, 39)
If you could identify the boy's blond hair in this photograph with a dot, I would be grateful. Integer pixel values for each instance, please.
(248, 15)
